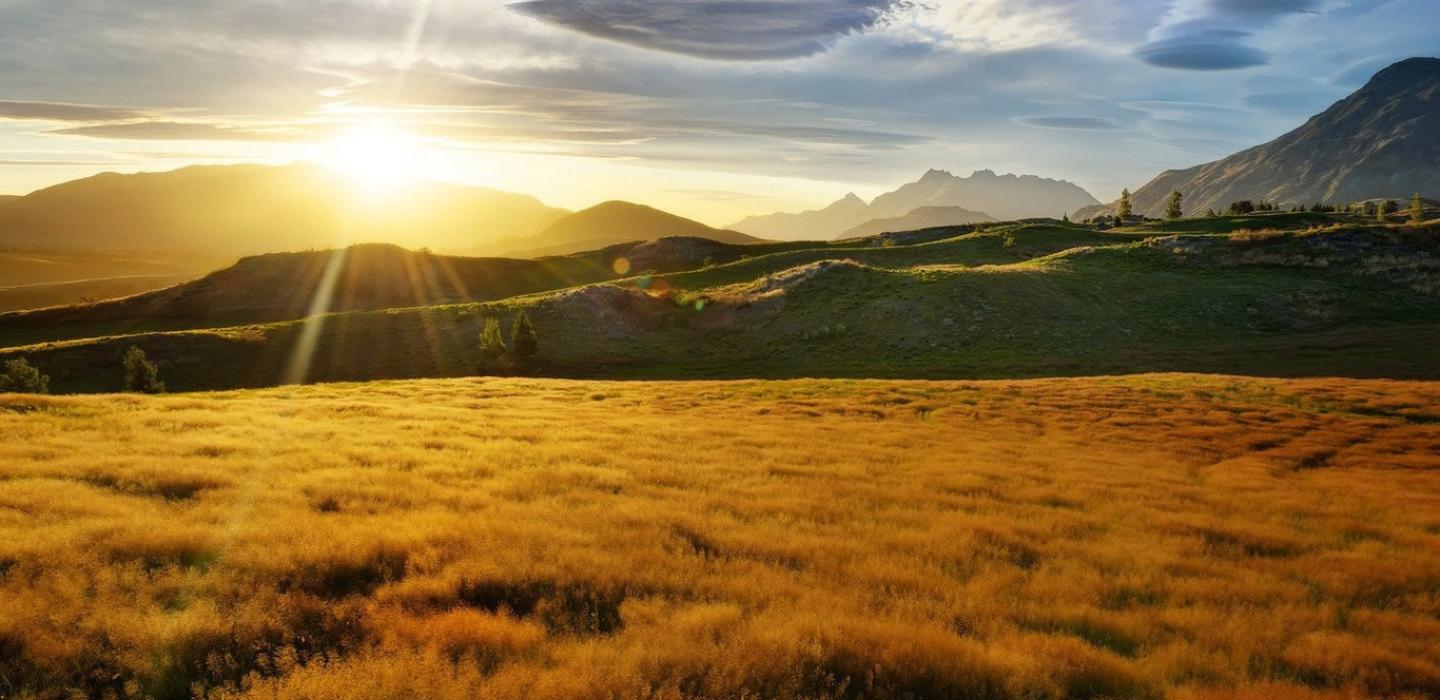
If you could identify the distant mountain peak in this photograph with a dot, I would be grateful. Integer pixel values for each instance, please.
(934, 174)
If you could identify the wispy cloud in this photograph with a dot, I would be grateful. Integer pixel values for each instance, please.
(64, 112)
(1073, 123)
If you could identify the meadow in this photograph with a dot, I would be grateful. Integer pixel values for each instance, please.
(1149, 536)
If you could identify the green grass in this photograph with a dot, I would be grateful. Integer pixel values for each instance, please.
(1355, 303)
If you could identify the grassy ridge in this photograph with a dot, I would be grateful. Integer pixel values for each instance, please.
(1346, 302)
(1141, 537)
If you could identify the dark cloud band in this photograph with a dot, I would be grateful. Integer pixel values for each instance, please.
(717, 29)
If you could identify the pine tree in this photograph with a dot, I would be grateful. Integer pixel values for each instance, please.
(1123, 210)
(1174, 207)
(522, 337)
(141, 375)
(492, 342)
(1417, 209)
(20, 377)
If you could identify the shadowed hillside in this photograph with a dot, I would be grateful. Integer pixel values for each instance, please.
(249, 209)
(282, 286)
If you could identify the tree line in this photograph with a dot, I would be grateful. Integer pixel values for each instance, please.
(138, 375)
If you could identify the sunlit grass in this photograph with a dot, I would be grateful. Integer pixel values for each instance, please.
(1138, 537)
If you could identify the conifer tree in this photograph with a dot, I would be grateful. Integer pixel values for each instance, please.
(1174, 208)
(1123, 210)
(1417, 209)
(522, 337)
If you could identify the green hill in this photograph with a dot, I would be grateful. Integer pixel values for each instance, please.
(1013, 300)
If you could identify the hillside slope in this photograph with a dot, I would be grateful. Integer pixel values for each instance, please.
(248, 209)
(1352, 301)
(615, 222)
(1381, 141)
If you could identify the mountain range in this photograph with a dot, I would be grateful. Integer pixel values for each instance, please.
(1383, 141)
(1003, 197)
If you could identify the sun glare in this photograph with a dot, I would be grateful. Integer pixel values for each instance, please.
(378, 157)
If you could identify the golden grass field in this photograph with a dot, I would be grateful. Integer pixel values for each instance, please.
(1156, 536)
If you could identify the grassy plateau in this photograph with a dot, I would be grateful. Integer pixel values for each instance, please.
(1144, 537)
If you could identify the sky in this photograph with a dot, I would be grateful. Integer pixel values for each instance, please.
(714, 109)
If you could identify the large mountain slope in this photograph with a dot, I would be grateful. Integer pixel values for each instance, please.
(248, 209)
(615, 222)
(1005, 197)
(1381, 141)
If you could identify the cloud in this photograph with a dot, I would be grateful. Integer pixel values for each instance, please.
(1072, 123)
(64, 112)
(1207, 49)
(1213, 35)
(182, 131)
(745, 30)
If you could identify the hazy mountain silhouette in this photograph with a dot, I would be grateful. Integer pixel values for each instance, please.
(815, 224)
(614, 222)
(247, 209)
(1383, 141)
(922, 218)
(1005, 197)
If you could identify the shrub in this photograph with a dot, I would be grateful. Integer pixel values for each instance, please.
(141, 375)
(20, 377)
(492, 343)
(1242, 207)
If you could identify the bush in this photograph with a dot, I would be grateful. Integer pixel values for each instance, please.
(20, 377)
(1242, 207)
(492, 343)
(141, 375)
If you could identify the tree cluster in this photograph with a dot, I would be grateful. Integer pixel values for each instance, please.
(522, 347)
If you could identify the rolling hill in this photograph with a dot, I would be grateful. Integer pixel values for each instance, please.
(1013, 300)
(1383, 141)
(248, 209)
(614, 222)
(1006, 197)
(918, 219)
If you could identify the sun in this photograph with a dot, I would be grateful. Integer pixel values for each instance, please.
(376, 156)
